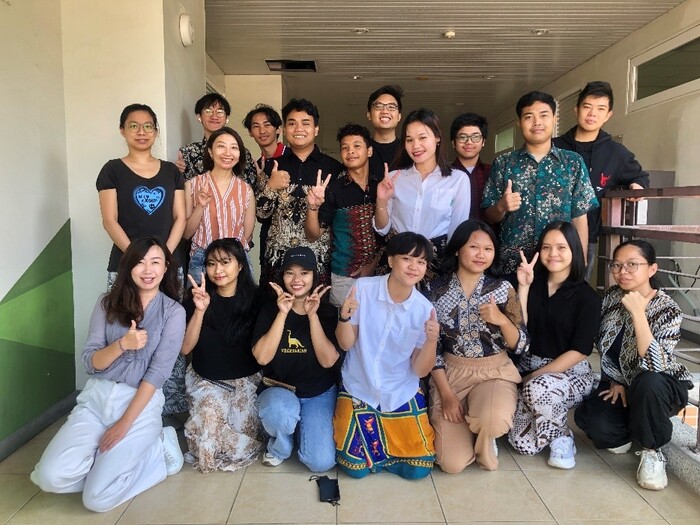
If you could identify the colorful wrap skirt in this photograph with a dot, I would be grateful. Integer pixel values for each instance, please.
(367, 440)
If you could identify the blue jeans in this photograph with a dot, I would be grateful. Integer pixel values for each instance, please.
(281, 412)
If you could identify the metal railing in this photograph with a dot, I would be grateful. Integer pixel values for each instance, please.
(615, 226)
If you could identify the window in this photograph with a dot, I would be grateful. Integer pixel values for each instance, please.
(505, 139)
(667, 71)
(566, 115)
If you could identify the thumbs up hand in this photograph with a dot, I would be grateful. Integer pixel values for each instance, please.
(135, 338)
(432, 327)
(491, 313)
(510, 200)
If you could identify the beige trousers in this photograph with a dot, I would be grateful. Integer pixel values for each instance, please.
(486, 387)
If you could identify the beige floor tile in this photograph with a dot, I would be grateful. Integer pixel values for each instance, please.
(691, 521)
(15, 491)
(589, 495)
(676, 501)
(25, 459)
(387, 498)
(615, 522)
(280, 498)
(620, 462)
(501, 495)
(289, 466)
(187, 497)
(63, 509)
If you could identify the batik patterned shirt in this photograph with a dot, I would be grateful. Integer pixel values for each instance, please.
(462, 330)
(193, 155)
(557, 188)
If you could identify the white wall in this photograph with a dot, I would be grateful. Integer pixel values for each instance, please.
(34, 202)
(115, 54)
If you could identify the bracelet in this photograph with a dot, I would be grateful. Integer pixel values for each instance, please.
(342, 319)
(313, 208)
(121, 347)
(380, 208)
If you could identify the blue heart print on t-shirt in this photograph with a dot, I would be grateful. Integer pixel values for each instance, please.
(149, 199)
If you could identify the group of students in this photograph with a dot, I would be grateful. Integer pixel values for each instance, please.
(414, 293)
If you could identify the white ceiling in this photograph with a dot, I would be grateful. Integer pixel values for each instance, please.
(493, 37)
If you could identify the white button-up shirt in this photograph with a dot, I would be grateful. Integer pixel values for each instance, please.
(377, 368)
(432, 207)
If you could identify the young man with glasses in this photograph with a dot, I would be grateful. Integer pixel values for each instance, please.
(609, 163)
(468, 135)
(384, 113)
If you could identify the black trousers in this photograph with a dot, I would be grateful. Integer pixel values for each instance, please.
(652, 399)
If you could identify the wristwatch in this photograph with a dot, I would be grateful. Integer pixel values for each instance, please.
(342, 319)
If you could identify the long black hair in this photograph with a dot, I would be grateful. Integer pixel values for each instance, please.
(123, 302)
(577, 271)
(240, 311)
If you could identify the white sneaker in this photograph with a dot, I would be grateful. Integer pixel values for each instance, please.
(622, 449)
(562, 452)
(495, 448)
(271, 461)
(651, 473)
(171, 451)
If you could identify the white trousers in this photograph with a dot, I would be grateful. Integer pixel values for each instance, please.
(73, 463)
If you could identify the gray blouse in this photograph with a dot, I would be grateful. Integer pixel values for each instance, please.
(164, 320)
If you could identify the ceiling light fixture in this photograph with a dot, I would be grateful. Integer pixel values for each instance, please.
(355, 77)
(422, 77)
(360, 30)
(489, 77)
(540, 32)
(449, 34)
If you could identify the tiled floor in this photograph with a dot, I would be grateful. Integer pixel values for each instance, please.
(602, 489)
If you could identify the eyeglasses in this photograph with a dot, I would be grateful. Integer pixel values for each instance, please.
(378, 106)
(629, 266)
(475, 138)
(208, 112)
(134, 127)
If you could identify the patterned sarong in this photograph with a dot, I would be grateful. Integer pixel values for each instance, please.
(367, 440)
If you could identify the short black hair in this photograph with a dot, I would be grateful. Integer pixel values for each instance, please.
(208, 162)
(272, 116)
(577, 273)
(410, 243)
(393, 90)
(128, 110)
(209, 100)
(528, 99)
(354, 130)
(460, 237)
(596, 89)
(301, 104)
(469, 119)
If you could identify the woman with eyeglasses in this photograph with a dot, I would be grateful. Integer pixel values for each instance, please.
(424, 195)
(642, 385)
(141, 195)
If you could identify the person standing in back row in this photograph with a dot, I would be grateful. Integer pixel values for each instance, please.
(609, 163)
(384, 113)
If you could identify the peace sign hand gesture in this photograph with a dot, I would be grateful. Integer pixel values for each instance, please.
(386, 189)
(350, 304)
(317, 194)
(284, 300)
(200, 297)
(526, 270)
(313, 300)
(203, 197)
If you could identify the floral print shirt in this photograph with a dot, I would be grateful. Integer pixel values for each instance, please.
(557, 188)
(462, 330)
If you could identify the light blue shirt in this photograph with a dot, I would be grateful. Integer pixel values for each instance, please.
(377, 368)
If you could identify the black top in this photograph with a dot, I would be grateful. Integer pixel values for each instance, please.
(568, 320)
(145, 205)
(213, 357)
(609, 163)
(381, 153)
(295, 362)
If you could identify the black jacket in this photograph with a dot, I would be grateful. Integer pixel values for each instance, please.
(610, 165)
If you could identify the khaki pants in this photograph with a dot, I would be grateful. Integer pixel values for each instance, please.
(486, 387)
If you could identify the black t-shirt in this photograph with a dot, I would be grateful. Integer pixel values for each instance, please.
(295, 362)
(145, 206)
(568, 320)
(381, 153)
(213, 357)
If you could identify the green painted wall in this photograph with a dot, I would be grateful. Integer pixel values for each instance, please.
(37, 338)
